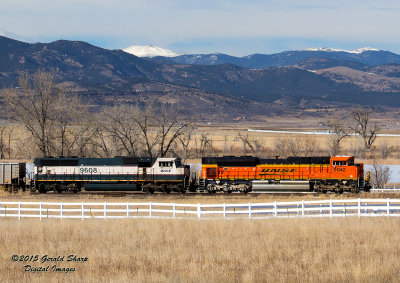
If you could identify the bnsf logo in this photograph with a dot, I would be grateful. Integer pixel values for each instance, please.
(277, 170)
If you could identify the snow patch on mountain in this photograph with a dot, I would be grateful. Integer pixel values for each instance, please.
(326, 49)
(150, 51)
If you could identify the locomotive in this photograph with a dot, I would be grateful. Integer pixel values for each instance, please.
(110, 174)
(248, 173)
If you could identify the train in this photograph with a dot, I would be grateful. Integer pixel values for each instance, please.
(320, 174)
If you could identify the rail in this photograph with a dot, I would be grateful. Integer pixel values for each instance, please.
(107, 210)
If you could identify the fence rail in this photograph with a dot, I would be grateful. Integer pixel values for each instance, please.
(86, 210)
(386, 189)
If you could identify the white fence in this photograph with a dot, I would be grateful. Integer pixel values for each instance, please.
(386, 189)
(319, 208)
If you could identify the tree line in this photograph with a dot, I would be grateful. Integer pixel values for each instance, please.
(61, 124)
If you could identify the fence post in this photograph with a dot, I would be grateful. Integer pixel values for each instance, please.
(19, 210)
(330, 208)
(105, 210)
(61, 210)
(174, 210)
(249, 210)
(359, 207)
(224, 210)
(302, 208)
(275, 210)
(83, 210)
(150, 212)
(388, 206)
(199, 210)
(40, 210)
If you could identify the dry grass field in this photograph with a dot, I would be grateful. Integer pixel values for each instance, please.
(149, 250)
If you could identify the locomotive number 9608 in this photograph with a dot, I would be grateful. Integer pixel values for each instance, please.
(88, 170)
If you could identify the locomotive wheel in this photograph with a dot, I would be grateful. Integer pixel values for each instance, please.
(58, 189)
(166, 189)
(42, 189)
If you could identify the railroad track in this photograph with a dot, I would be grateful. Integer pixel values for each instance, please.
(142, 195)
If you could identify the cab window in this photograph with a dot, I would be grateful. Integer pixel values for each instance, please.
(339, 163)
(165, 164)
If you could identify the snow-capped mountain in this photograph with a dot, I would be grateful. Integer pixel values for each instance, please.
(150, 51)
(356, 51)
(366, 56)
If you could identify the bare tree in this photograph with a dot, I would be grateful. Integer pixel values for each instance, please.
(71, 123)
(279, 147)
(380, 175)
(384, 149)
(170, 125)
(203, 146)
(309, 145)
(339, 132)
(120, 123)
(144, 120)
(185, 140)
(363, 127)
(296, 145)
(251, 145)
(133, 131)
(6, 135)
(35, 105)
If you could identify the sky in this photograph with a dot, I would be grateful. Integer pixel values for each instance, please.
(232, 27)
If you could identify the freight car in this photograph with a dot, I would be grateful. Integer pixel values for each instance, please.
(110, 174)
(12, 176)
(247, 173)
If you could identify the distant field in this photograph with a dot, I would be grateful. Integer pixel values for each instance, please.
(284, 250)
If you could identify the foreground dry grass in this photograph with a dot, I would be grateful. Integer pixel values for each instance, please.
(327, 250)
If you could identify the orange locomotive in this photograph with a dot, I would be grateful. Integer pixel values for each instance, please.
(247, 173)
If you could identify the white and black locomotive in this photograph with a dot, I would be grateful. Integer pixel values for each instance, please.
(110, 174)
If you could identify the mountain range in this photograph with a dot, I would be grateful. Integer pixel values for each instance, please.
(212, 86)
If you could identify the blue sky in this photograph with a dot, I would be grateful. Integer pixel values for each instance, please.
(205, 26)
